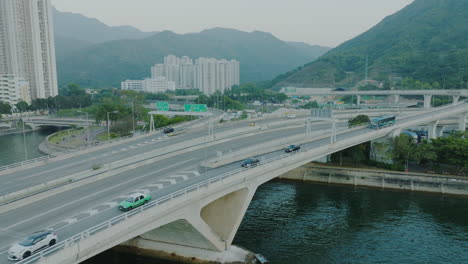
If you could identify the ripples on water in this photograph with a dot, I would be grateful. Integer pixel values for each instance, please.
(298, 223)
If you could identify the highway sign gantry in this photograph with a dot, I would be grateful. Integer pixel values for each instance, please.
(162, 106)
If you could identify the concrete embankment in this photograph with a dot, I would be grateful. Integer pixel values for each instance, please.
(418, 182)
(154, 250)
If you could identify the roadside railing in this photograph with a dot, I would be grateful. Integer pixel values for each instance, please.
(124, 216)
(89, 146)
(26, 162)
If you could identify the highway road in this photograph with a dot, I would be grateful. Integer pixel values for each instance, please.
(81, 208)
(115, 152)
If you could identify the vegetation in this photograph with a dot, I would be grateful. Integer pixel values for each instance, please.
(424, 43)
(239, 96)
(440, 155)
(358, 120)
(5, 108)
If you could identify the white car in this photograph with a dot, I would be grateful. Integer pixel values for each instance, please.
(32, 244)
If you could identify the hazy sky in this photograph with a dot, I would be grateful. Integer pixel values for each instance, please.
(323, 22)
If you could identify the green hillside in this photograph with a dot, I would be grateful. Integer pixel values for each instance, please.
(425, 41)
(262, 56)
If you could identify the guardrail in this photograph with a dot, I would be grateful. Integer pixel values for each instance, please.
(19, 164)
(115, 220)
(90, 146)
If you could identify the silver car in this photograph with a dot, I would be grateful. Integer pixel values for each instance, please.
(32, 244)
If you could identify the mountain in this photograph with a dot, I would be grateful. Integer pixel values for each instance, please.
(310, 49)
(426, 41)
(89, 30)
(261, 55)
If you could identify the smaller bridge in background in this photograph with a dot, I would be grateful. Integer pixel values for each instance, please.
(57, 122)
(427, 94)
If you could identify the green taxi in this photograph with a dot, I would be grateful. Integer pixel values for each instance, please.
(133, 201)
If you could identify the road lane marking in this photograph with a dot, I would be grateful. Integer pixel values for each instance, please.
(92, 212)
(70, 221)
(184, 177)
(159, 186)
(171, 181)
(93, 194)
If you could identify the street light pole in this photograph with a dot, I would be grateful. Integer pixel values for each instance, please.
(24, 141)
(108, 123)
(133, 117)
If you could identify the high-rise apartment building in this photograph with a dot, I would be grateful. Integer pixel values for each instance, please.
(27, 49)
(207, 74)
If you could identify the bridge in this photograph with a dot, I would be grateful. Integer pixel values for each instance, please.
(57, 122)
(427, 94)
(196, 210)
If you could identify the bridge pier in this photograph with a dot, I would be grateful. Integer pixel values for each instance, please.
(441, 131)
(432, 129)
(358, 100)
(456, 98)
(462, 122)
(427, 101)
(395, 133)
(397, 98)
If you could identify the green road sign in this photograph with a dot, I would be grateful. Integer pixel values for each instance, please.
(162, 106)
(195, 108)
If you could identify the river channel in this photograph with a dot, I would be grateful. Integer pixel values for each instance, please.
(304, 223)
(12, 146)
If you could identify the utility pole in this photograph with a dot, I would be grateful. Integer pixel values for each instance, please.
(133, 116)
(24, 138)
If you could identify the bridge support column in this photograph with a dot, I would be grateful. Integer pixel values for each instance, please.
(395, 133)
(397, 98)
(456, 98)
(427, 101)
(432, 129)
(358, 100)
(441, 131)
(462, 122)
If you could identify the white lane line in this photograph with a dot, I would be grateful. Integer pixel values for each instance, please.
(70, 221)
(171, 181)
(95, 193)
(114, 152)
(124, 149)
(92, 212)
(133, 147)
(159, 186)
(145, 191)
(196, 173)
(185, 177)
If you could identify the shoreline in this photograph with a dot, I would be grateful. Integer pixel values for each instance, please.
(381, 179)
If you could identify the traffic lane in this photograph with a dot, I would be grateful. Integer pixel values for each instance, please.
(54, 170)
(80, 225)
(53, 211)
(34, 215)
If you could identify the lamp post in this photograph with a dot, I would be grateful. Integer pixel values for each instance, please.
(133, 117)
(24, 140)
(108, 123)
(87, 129)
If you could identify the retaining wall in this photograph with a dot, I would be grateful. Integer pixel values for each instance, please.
(418, 182)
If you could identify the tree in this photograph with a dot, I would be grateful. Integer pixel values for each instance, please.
(360, 119)
(22, 106)
(311, 105)
(403, 147)
(5, 108)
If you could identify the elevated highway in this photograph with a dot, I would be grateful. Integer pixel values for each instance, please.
(207, 204)
(427, 94)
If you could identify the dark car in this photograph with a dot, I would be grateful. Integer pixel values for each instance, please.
(168, 130)
(250, 162)
(292, 148)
